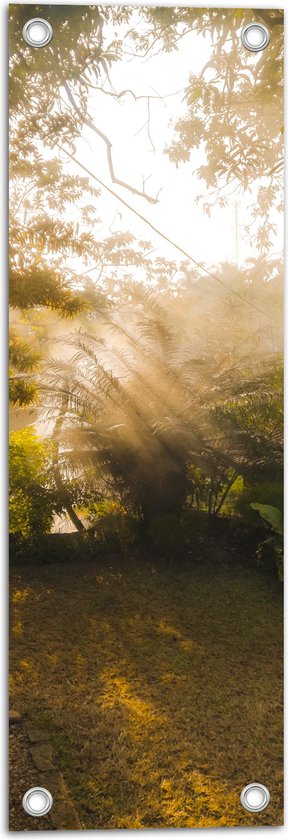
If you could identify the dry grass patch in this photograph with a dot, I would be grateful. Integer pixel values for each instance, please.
(162, 689)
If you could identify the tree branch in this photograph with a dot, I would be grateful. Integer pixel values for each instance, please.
(121, 93)
(148, 124)
(108, 144)
(163, 235)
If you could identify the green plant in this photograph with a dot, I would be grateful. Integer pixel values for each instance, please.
(266, 492)
(167, 534)
(274, 518)
(32, 494)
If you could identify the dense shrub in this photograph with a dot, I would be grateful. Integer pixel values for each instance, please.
(266, 493)
(166, 534)
(32, 494)
(55, 548)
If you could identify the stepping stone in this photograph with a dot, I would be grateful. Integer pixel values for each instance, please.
(63, 815)
(42, 755)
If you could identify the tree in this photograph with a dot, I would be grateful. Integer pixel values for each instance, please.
(41, 193)
(225, 105)
(143, 406)
(149, 390)
(235, 112)
(79, 31)
(129, 420)
(43, 246)
(43, 242)
(71, 71)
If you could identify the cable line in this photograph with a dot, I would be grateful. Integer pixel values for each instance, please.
(163, 235)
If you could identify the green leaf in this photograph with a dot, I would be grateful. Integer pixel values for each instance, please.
(271, 515)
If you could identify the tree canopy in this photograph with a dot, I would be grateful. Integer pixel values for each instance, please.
(160, 376)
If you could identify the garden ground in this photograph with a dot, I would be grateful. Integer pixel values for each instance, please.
(161, 687)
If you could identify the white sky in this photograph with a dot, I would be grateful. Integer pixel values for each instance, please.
(208, 240)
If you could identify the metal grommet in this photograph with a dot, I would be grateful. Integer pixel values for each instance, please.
(255, 37)
(255, 797)
(37, 801)
(37, 32)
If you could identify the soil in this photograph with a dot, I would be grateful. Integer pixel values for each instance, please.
(23, 776)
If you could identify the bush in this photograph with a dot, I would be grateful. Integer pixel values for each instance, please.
(55, 548)
(195, 525)
(271, 547)
(167, 534)
(32, 497)
(266, 493)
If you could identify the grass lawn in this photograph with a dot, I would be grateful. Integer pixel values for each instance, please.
(162, 689)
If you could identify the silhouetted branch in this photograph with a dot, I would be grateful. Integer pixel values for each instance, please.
(108, 144)
(163, 235)
(148, 124)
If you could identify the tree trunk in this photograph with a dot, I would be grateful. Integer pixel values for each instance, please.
(67, 503)
(225, 494)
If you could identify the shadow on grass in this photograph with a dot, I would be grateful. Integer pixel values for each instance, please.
(162, 688)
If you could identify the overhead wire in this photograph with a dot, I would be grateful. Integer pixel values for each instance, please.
(164, 236)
